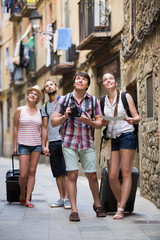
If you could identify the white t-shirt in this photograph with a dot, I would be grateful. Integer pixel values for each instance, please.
(120, 126)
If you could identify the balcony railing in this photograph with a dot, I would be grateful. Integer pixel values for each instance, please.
(94, 23)
(58, 68)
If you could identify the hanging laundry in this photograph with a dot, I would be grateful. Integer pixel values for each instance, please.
(64, 39)
(48, 58)
(18, 73)
(31, 67)
(17, 48)
(55, 40)
(31, 42)
(24, 55)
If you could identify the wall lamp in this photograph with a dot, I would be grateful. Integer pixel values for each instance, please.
(35, 19)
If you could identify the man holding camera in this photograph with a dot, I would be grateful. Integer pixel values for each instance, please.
(77, 139)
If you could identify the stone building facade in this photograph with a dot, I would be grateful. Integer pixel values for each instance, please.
(140, 71)
(119, 36)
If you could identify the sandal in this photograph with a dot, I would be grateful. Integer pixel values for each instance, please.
(118, 215)
(74, 217)
(29, 204)
(99, 211)
(22, 201)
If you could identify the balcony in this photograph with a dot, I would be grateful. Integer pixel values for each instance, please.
(16, 7)
(20, 9)
(58, 68)
(28, 7)
(94, 24)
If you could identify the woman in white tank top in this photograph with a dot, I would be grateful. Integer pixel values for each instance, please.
(123, 141)
(27, 142)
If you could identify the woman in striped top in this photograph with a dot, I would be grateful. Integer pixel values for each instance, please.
(27, 142)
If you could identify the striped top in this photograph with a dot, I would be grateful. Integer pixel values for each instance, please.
(29, 131)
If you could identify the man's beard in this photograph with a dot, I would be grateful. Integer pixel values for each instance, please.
(52, 93)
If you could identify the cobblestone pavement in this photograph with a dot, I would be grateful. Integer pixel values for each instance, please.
(45, 223)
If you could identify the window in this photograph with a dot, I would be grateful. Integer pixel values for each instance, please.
(133, 16)
(67, 23)
(7, 58)
(0, 72)
(6, 13)
(149, 95)
(8, 113)
(50, 13)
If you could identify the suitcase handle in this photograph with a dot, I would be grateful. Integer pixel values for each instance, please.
(13, 161)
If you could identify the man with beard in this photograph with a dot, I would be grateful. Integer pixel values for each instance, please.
(52, 144)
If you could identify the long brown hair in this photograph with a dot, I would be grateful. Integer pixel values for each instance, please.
(117, 101)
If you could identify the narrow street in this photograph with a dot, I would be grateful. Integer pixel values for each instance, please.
(45, 223)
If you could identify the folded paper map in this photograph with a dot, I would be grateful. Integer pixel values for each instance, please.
(113, 118)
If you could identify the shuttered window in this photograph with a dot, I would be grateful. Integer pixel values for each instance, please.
(149, 95)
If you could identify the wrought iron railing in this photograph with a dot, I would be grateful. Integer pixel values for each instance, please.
(17, 5)
(94, 16)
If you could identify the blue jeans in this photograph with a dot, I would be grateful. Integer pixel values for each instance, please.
(124, 141)
(25, 149)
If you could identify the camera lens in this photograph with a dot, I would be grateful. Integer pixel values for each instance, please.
(72, 105)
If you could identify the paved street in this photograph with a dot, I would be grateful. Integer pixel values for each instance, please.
(45, 223)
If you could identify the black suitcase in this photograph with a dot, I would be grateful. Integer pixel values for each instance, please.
(107, 198)
(12, 184)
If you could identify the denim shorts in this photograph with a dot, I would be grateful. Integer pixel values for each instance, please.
(57, 162)
(124, 141)
(87, 158)
(25, 149)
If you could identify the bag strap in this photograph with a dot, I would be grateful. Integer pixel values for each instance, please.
(66, 101)
(102, 99)
(94, 100)
(45, 106)
(125, 103)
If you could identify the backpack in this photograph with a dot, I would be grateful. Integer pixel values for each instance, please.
(93, 100)
(126, 107)
(46, 105)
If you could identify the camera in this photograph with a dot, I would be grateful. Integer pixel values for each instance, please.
(76, 111)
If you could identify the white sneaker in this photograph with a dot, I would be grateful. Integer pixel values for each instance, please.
(59, 203)
(67, 204)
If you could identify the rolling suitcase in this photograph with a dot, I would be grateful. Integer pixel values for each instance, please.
(12, 184)
(107, 198)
